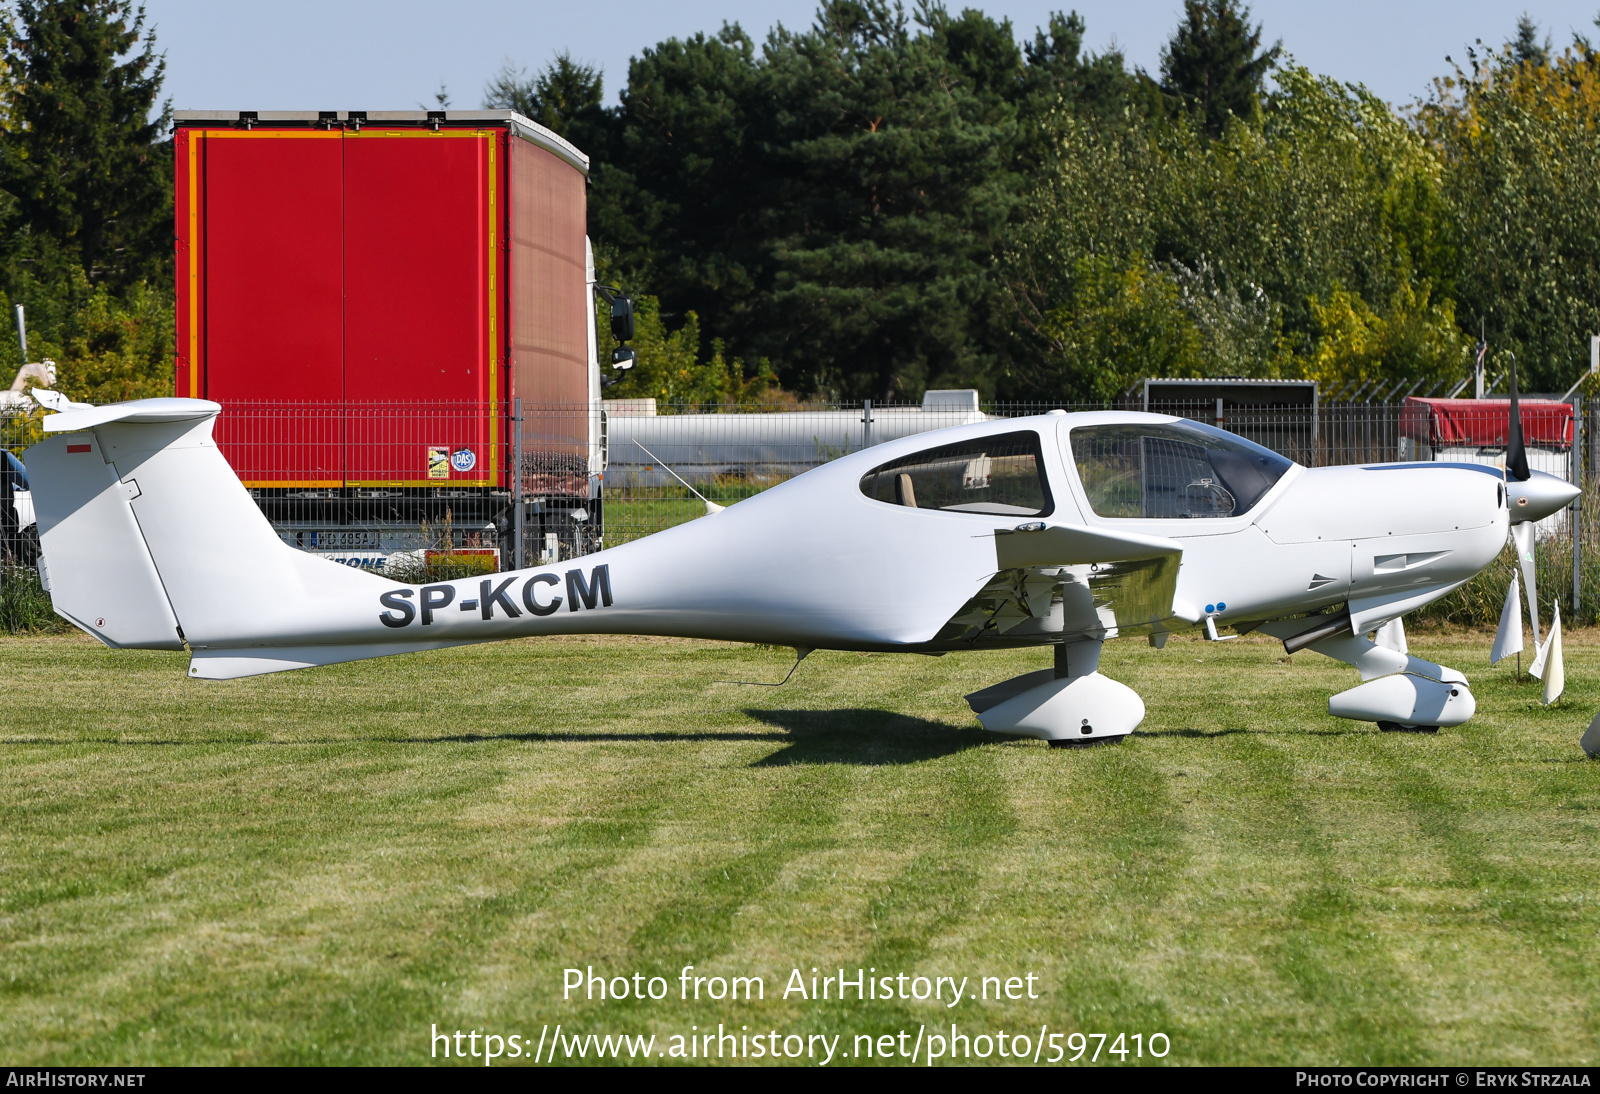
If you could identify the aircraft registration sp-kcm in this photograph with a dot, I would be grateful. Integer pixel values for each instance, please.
(1060, 530)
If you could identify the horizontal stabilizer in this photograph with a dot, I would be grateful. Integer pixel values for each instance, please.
(146, 411)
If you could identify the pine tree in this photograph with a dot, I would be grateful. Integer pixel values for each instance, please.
(564, 96)
(1058, 70)
(84, 158)
(1211, 65)
(1526, 47)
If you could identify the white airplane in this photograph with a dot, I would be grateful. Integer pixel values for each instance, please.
(1062, 530)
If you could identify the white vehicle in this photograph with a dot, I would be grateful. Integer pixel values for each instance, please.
(1061, 530)
(19, 537)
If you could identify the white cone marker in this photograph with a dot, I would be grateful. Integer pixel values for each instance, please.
(1555, 672)
(1508, 636)
(1590, 741)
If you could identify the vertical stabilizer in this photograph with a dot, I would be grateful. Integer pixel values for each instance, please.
(101, 575)
(151, 540)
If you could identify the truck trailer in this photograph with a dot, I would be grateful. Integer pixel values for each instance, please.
(371, 296)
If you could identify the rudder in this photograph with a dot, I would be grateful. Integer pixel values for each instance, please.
(99, 571)
(147, 521)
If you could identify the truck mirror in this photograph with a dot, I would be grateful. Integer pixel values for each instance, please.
(623, 357)
(622, 317)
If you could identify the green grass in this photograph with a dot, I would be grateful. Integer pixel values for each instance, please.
(315, 867)
(635, 512)
(24, 605)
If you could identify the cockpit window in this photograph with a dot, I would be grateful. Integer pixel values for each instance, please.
(1183, 469)
(1002, 475)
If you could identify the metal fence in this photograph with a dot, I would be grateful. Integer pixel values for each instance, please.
(465, 486)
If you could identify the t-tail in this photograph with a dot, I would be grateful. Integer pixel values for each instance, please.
(150, 541)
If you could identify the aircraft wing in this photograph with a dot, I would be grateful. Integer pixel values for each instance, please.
(1045, 544)
(1068, 579)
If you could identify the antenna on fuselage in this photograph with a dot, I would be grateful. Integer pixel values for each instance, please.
(800, 654)
(711, 506)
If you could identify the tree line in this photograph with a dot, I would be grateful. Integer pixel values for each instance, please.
(886, 202)
(889, 201)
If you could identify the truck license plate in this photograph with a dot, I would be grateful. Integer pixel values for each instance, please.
(353, 539)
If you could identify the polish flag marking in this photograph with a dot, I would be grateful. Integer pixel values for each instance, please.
(77, 448)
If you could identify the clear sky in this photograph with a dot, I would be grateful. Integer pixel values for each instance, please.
(395, 54)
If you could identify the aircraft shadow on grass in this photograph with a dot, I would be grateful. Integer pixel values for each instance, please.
(1235, 731)
(870, 738)
(859, 736)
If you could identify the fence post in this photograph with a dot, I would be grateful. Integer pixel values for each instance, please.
(866, 423)
(517, 536)
(1577, 502)
(1316, 421)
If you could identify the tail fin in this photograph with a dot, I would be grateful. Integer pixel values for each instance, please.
(150, 541)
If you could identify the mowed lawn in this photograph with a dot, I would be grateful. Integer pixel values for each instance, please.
(319, 866)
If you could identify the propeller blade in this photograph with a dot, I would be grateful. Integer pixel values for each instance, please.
(1555, 672)
(1516, 451)
(1508, 636)
(1522, 537)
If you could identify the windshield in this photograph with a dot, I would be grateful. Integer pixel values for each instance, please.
(1180, 469)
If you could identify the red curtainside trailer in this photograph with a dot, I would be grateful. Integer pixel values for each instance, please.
(367, 294)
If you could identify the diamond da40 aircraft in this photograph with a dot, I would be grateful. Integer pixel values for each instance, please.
(1062, 530)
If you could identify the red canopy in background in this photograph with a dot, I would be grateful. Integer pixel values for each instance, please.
(1482, 422)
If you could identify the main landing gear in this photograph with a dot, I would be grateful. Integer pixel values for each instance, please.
(1070, 706)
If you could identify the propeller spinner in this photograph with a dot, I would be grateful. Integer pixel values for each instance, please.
(1530, 495)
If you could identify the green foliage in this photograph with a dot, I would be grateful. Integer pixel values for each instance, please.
(109, 346)
(1526, 48)
(83, 161)
(1521, 179)
(563, 96)
(24, 605)
(86, 199)
(832, 202)
(1412, 338)
(670, 368)
(1118, 313)
(1352, 195)
(1211, 66)
(1057, 71)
